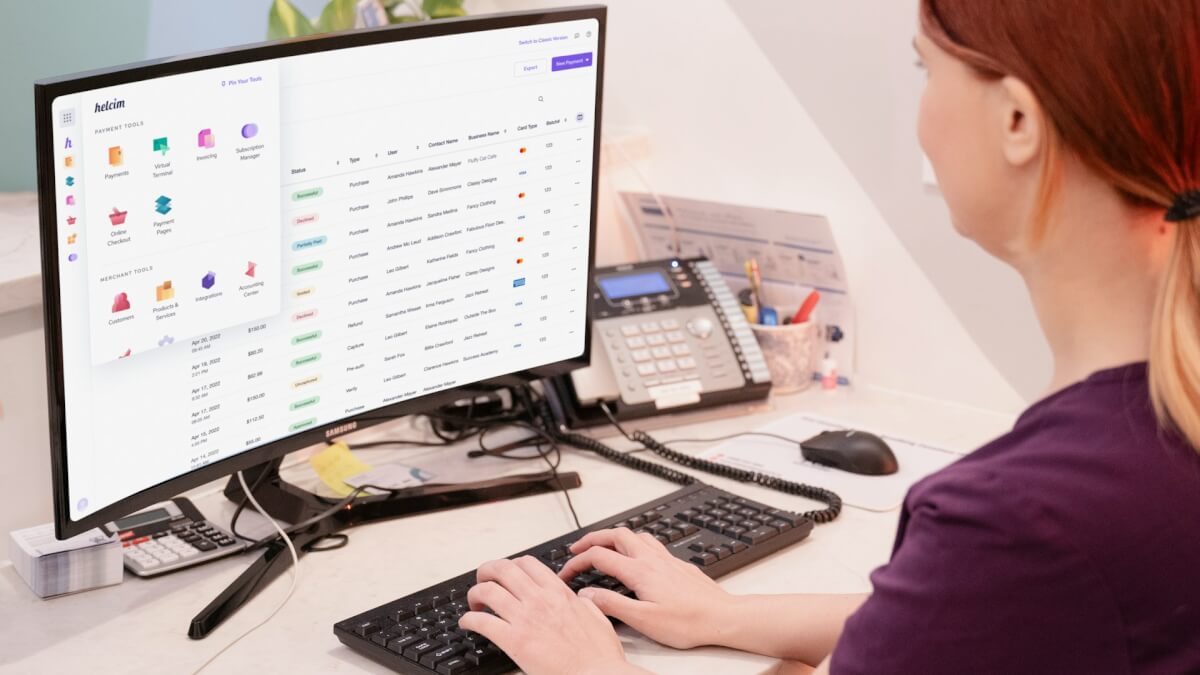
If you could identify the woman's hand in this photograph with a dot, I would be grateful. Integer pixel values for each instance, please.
(676, 603)
(540, 623)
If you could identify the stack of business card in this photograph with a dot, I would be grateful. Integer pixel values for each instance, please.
(52, 567)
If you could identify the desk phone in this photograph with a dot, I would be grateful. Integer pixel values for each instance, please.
(667, 335)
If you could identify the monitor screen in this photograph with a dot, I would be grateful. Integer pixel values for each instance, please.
(250, 251)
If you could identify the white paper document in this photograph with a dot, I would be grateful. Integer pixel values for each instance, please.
(796, 253)
(778, 458)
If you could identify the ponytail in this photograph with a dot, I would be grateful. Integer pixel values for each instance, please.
(1175, 338)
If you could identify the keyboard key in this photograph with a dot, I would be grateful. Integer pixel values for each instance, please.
(696, 546)
(673, 534)
(402, 615)
(687, 514)
(651, 516)
(454, 666)
(557, 554)
(704, 520)
(734, 531)
(781, 525)
(689, 529)
(475, 640)
(636, 522)
(721, 552)
(763, 518)
(367, 628)
(651, 327)
(759, 535)
(458, 593)
(399, 644)
(421, 648)
(787, 516)
(656, 340)
(635, 342)
(661, 352)
(629, 330)
(718, 513)
(647, 368)
(385, 636)
(750, 524)
(481, 655)
(718, 525)
(737, 546)
(662, 539)
(704, 559)
(438, 600)
(431, 659)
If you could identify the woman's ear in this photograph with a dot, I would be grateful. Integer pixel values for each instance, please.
(1023, 135)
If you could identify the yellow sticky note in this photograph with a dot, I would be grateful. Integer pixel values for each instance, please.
(335, 464)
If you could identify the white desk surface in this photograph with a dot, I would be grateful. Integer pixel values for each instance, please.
(141, 625)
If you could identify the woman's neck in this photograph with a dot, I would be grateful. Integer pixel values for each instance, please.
(1094, 281)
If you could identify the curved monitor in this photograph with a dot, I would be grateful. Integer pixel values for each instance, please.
(250, 251)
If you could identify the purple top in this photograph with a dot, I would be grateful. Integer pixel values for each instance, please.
(1069, 545)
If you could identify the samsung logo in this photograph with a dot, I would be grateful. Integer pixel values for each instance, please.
(115, 104)
(341, 429)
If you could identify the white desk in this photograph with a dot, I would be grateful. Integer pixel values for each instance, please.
(141, 625)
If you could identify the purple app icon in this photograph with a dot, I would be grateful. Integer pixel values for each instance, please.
(82, 504)
(208, 281)
(250, 130)
(73, 257)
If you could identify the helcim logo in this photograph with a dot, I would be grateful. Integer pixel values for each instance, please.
(115, 104)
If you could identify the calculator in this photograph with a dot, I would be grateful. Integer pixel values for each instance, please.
(171, 536)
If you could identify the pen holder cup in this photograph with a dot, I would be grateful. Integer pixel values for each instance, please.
(792, 353)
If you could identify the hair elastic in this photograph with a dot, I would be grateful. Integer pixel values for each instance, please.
(1186, 207)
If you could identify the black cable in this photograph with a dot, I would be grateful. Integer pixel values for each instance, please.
(821, 516)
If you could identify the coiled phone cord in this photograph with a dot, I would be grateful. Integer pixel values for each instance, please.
(820, 516)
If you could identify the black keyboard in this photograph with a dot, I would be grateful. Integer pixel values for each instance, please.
(709, 527)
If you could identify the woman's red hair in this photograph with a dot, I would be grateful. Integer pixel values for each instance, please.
(1119, 81)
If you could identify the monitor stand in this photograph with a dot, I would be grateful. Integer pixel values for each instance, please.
(291, 504)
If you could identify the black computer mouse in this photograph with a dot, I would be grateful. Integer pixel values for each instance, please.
(849, 450)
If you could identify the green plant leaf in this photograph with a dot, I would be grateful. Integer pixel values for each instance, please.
(285, 21)
(403, 18)
(441, 9)
(338, 15)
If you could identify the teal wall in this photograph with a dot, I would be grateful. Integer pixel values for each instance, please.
(43, 38)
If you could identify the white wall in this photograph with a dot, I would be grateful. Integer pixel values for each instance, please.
(851, 65)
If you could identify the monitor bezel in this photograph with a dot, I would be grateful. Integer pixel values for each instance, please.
(46, 91)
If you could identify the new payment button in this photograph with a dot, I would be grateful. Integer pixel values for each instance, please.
(571, 61)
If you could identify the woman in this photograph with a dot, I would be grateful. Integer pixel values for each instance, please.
(1066, 139)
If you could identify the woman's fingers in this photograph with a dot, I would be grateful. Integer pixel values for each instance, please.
(607, 561)
(621, 539)
(489, 626)
(509, 575)
(493, 596)
(539, 573)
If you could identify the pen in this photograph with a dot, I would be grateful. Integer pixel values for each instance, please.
(807, 307)
(755, 277)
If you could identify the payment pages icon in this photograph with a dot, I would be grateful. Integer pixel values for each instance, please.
(70, 181)
(163, 205)
(160, 145)
(117, 216)
(164, 292)
(115, 156)
(205, 139)
(120, 303)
